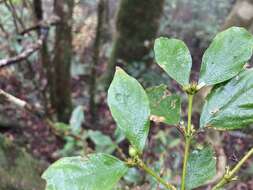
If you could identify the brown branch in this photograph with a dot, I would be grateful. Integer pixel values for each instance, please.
(44, 26)
(20, 103)
(23, 55)
(34, 111)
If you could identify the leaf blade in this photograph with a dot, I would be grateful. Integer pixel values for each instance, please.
(76, 119)
(130, 109)
(226, 56)
(229, 105)
(98, 171)
(201, 167)
(175, 58)
(164, 105)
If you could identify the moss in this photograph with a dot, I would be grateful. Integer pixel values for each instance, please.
(18, 170)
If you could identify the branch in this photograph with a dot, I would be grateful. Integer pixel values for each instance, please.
(44, 26)
(20, 103)
(34, 110)
(53, 20)
(139, 163)
(23, 55)
(230, 174)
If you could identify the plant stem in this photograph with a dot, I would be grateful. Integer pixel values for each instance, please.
(143, 166)
(230, 174)
(188, 136)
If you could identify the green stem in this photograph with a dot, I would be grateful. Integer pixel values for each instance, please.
(188, 136)
(230, 174)
(143, 166)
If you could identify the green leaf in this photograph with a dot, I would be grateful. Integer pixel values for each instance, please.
(174, 57)
(129, 106)
(230, 105)
(163, 105)
(226, 56)
(201, 167)
(61, 127)
(102, 142)
(119, 135)
(95, 172)
(76, 120)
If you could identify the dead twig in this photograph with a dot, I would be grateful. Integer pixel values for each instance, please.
(23, 55)
(32, 47)
(40, 114)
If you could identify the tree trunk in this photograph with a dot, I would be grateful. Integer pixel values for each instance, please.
(44, 55)
(96, 51)
(241, 15)
(62, 59)
(136, 27)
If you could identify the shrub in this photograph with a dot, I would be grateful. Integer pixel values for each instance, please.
(228, 106)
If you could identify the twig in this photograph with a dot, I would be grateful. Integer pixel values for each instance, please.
(40, 25)
(32, 47)
(230, 174)
(35, 111)
(18, 102)
(40, 114)
(15, 14)
(188, 138)
(142, 165)
(23, 55)
(4, 30)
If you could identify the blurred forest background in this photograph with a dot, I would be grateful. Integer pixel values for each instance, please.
(57, 59)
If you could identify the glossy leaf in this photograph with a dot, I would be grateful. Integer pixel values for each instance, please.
(76, 120)
(174, 57)
(95, 172)
(129, 106)
(230, 105)
(201, 167)
(164, 106)
(226, 56)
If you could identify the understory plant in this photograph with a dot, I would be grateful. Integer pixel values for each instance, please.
(228, 106)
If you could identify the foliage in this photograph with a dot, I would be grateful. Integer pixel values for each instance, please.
(129, 105)
(97, 171)
(228, 106)
(163, 106)
(202, 167)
